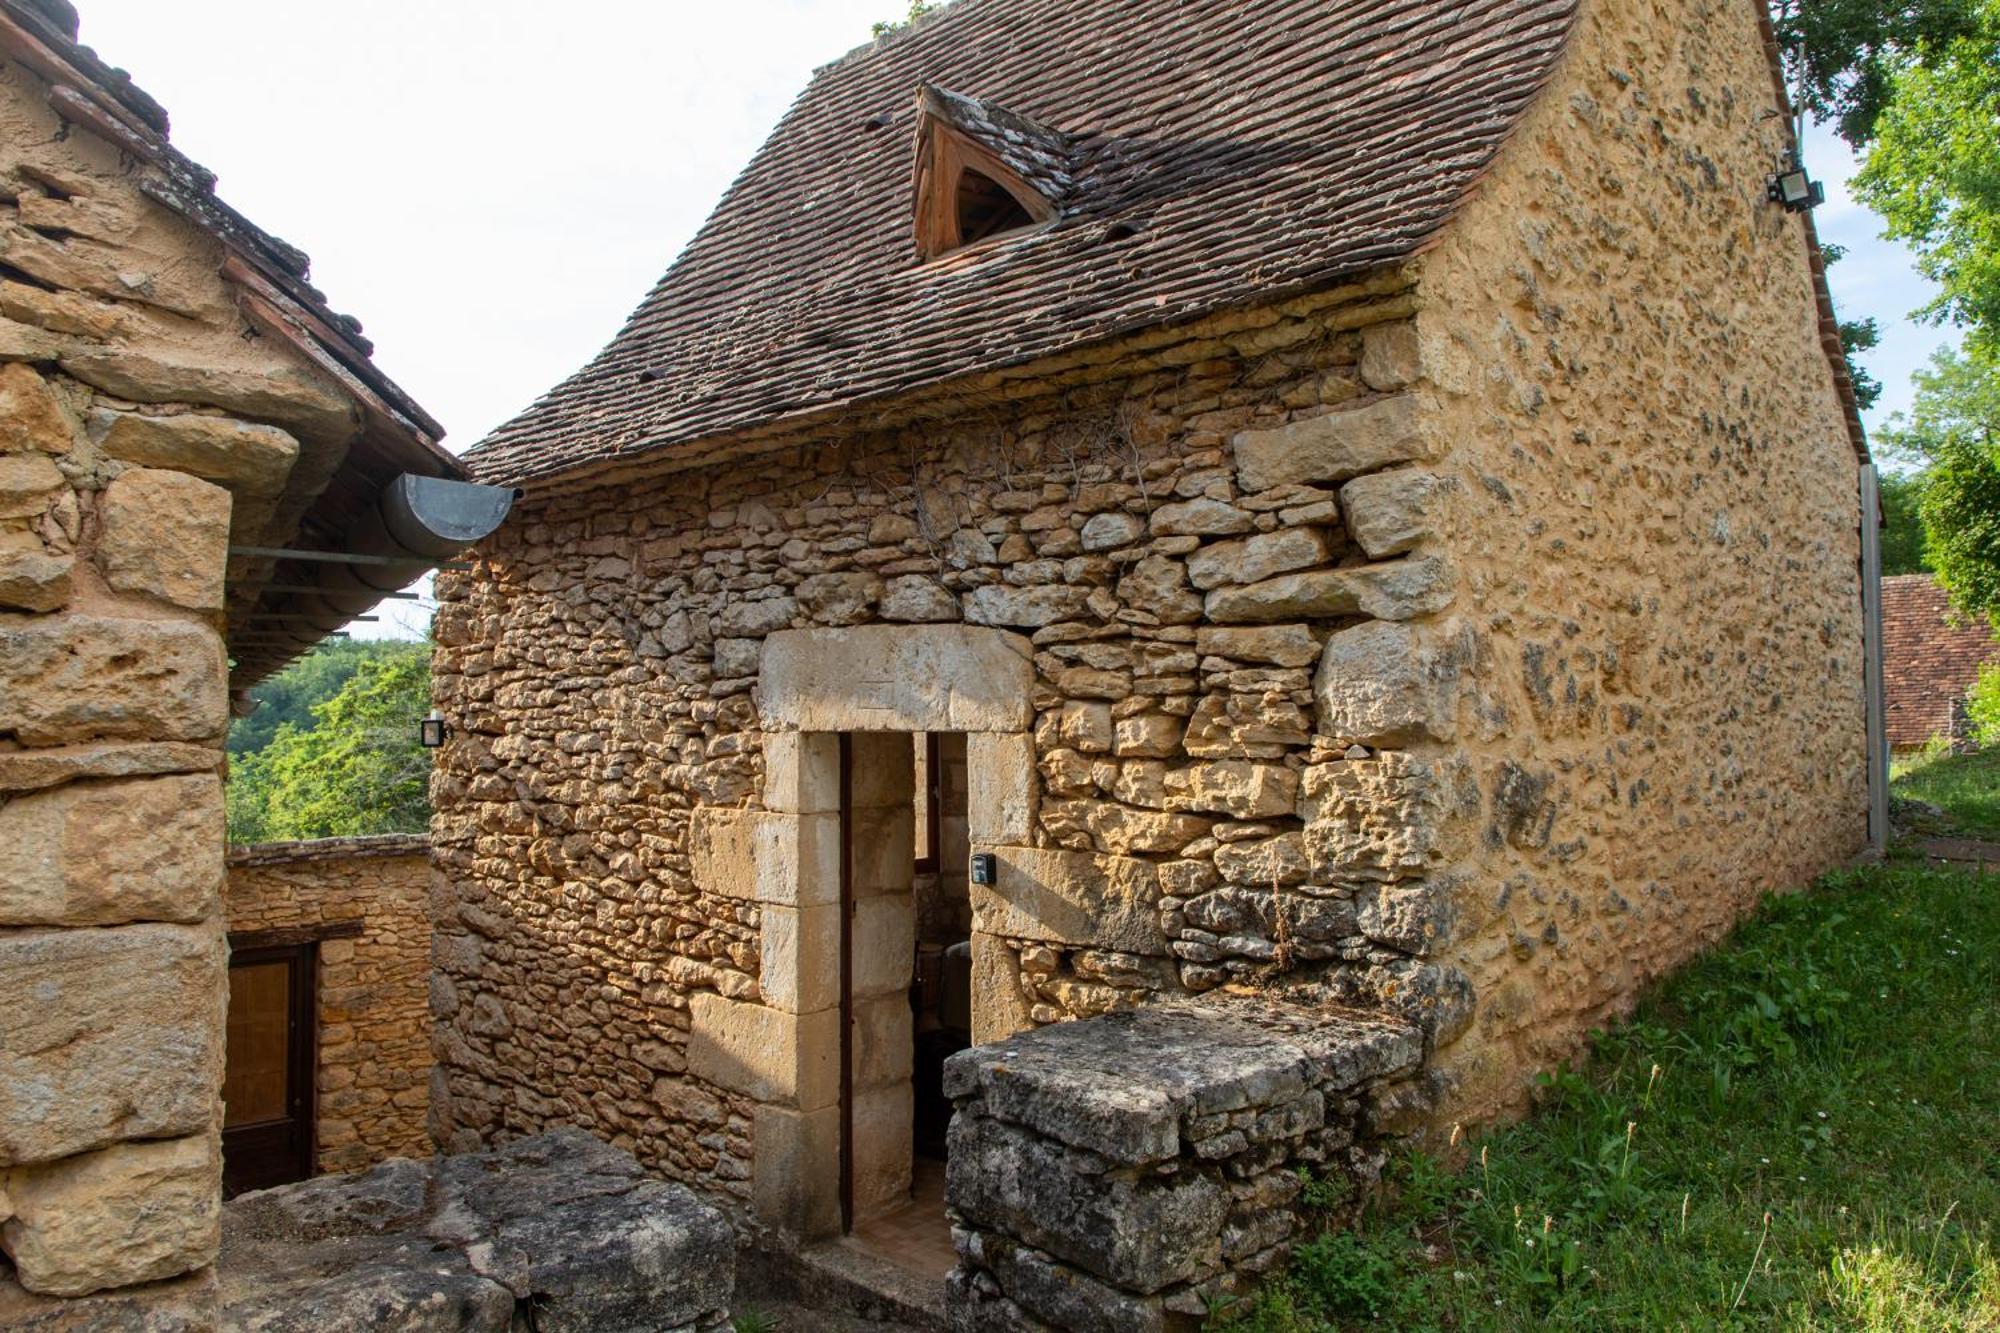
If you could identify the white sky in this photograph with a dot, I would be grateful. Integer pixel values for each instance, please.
(492, 185)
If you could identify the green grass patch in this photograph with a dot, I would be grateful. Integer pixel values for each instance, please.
(1801, 1131)
(1966, 785)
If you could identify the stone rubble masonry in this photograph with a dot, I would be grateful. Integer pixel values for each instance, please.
(140, 429)
(373, 1075)
(1435, 646)
(558, 1233)
(1128, 1170)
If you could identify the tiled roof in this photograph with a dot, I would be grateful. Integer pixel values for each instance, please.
(1928, 663)
(1225, 153)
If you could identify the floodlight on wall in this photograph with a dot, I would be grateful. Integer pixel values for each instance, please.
(1795, 189)
(431, 731)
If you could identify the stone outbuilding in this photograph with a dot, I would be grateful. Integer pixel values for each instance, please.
(201, 472)
(1357, 503)
(1930, 658)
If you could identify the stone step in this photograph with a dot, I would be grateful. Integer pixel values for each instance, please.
(841, 1286)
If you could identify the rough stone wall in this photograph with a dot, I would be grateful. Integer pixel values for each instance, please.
(374, 1066)
(1653, 665)
(1165, 520)
(138, 422)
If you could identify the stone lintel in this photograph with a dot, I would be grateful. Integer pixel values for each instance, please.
(896, 678)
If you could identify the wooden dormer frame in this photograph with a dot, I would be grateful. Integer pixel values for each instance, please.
(944, 155)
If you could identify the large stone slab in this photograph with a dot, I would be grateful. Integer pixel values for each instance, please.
(1333, 447)
(1079, 898)
(246, 457)
(165, 534)
(37, 770)
(557, 1233)
(107, 1035)
(1393, 590)
(300, 402)
(897, 678)
(176, 1305)
(108, 853)
(764, 1053)
(85, 678)
(134, 1212)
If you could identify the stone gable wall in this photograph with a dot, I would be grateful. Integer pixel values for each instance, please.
(1654, 659)
(374, 987)
(1168, 528)
(140, 426)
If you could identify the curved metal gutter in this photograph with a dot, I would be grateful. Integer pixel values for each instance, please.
(416, 524)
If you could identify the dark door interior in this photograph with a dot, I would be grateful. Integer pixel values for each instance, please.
(267, 1085)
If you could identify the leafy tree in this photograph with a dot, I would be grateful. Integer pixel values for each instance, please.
(1903, 525)
(1953, 436)
(1843, 56)
(289, 696)
(918, 8)
(1934, 173)
(357, 769)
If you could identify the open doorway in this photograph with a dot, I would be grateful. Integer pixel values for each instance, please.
(906, 982)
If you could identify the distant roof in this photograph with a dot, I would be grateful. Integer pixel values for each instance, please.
(1928, 662)
(1224, 153)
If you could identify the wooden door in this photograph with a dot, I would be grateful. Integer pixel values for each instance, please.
(267, 1085)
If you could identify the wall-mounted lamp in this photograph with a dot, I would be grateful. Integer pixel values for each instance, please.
(1796, 190)
(432, 731)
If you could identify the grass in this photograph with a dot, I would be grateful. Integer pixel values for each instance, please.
(1799, 1132)
(1967, 786)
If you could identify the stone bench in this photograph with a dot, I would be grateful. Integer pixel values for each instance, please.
(1109, 1175)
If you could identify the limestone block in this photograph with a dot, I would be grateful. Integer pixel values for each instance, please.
(1372, 819)
(246, 457)
(107, 1035)
(736, 658)
(1391, 357)
(1246, 726)
(1380, 685)
(914, 598)
(105, 853)
(1239, 788)
(896, 678)
(301, 402)
(33, 578)
(801, 772)
(1000, 786)
(1256, 558)
(799, 957)
(83, 677)
(1201, 518)
(1078, 898)
(1388, 513)
(26, 483)
(1027, 607)
(135, 1212)
(1157, 587)
(754, 619)
(1087, 727)
(846, 598)
(883, 1045)
(1280, 645)
(1108, 532)
(795, 1170)
(25, 342)
(764, 1053)
(789, 860)
(1333, 447)
(30, 417)
(1119, 829)
(1148, 736)
(1394, 590)
(883, 944)
(882, 1121)
(37, 770)
(166, 534)
(1264, 862)
(999, 1007)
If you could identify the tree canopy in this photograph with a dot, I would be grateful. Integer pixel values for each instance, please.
(354, 767)
(1951, 441)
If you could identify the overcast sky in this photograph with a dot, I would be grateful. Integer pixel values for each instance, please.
(492, 185)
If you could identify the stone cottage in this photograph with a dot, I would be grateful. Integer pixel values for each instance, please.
(201, 472)
(1170, 505)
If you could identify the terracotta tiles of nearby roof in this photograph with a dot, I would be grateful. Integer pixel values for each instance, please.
(1250, 150)
(1928, 662)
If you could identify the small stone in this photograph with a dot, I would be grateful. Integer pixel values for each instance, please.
(1395, 590)
(1201, 518)
(1148, 736)
(1106, 532)
(1388, 513)
(1087, 727)
(1030, 608)
(26, 483)
(1378, 686)
(1280, 645)
(912, 598)
(30, 416)
(1242, 789)
(1259, 557)
(1157, 586)
(840, 599)
(1280, 860)
(1391, 357)
(166, 534)
(33, 578)
(754, 619)
(1246, 726)
(891, 529)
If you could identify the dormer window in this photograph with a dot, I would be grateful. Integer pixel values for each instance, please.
(982, 172)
